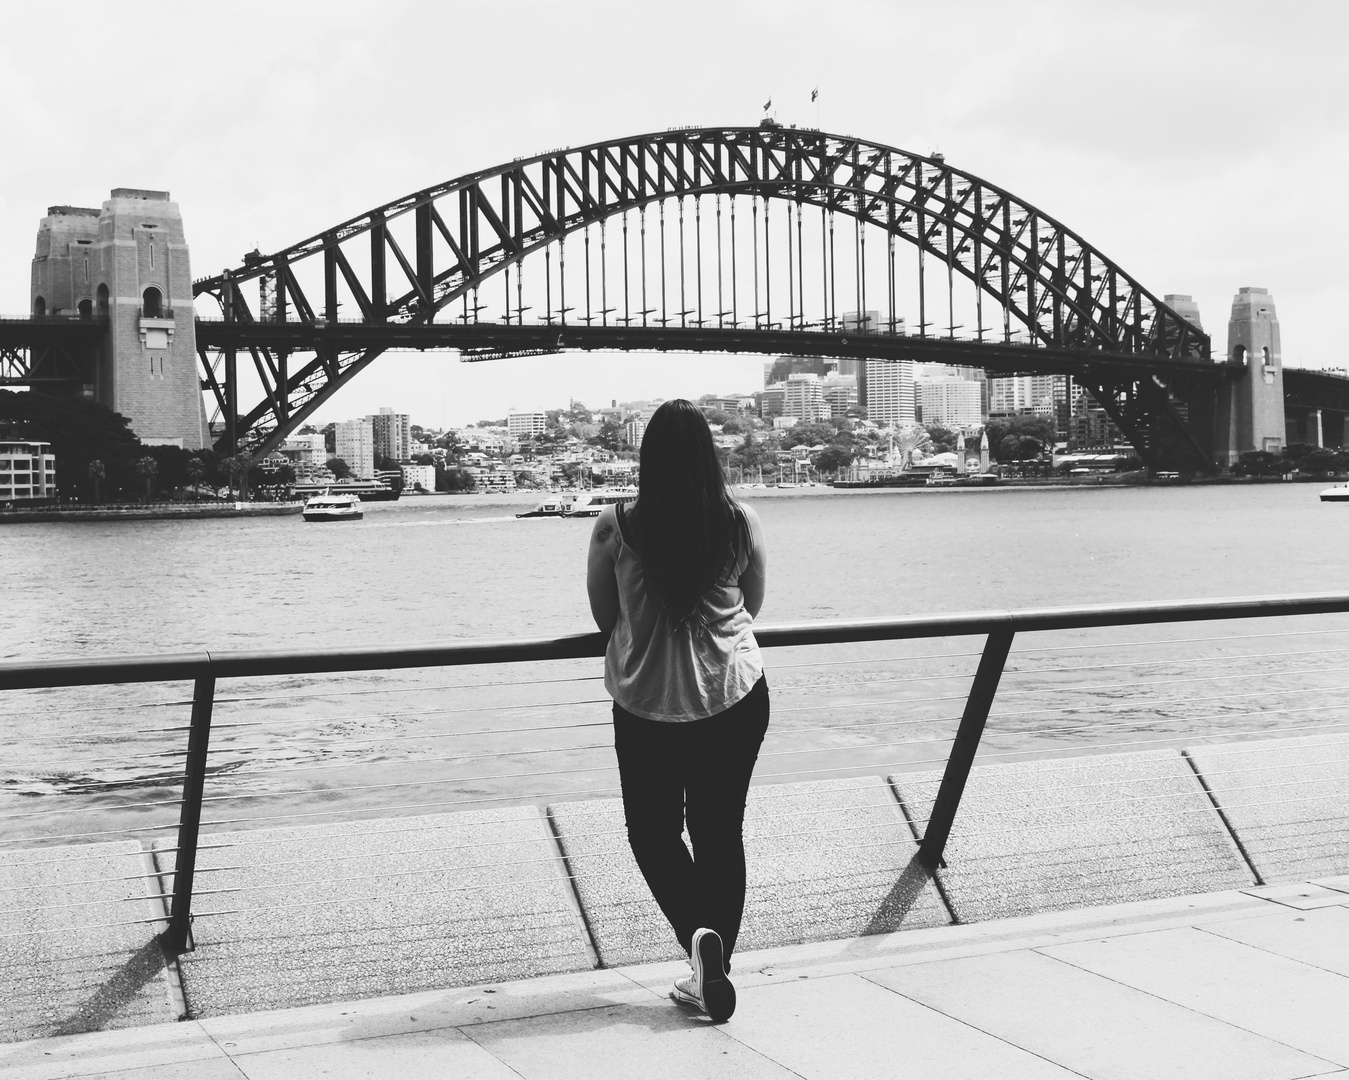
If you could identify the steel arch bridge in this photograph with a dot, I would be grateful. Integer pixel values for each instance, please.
(739, 239)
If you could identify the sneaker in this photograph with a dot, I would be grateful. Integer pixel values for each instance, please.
(685, 992)
(709, 975)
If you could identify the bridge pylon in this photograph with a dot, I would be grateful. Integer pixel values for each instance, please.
(1250, 413)
(126, 266)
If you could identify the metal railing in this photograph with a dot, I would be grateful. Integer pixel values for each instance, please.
(999, 628)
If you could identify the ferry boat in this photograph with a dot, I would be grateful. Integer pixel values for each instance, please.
(328, 507)
(556, 505)
(590, 503)
(365, 490)
(1338, 493)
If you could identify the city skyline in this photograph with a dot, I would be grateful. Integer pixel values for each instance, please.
(311, 128)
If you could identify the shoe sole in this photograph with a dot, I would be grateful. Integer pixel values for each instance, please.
(718, 993)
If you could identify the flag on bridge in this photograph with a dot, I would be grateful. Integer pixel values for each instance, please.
(814, 94)
(767, 104)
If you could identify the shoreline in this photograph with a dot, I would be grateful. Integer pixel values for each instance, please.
(154, 512)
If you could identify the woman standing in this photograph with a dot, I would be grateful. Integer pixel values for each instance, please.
(677, 580)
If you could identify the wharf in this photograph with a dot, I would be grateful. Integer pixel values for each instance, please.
(1248, 984)
(152, 512)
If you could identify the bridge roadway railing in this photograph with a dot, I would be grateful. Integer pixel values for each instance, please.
(1159, 682)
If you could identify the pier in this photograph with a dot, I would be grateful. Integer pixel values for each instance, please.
(950, 913)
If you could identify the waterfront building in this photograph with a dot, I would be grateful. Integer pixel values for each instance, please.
(803, 398)
(392, 434)
(128, 264)
(356, 446)
(495, 481)
(307, 454)
(525, 425)
(771, 402)
(950, 401)
(27, 471)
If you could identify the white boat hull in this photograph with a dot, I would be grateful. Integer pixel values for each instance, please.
(1336, 494)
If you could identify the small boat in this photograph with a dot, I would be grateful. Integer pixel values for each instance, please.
(591, 503)
(554, 506)
(1338, 493)
(333, 508)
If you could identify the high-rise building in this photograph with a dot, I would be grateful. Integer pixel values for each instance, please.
(803, 398)
(889, 391)
(1022, 395)
(356, 446)
(840, 393)
(771, 402)
(633, 431)
(950, 401)
(393, 434)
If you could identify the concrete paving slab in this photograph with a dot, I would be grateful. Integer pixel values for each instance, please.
(182, 1046)
(1319, 938)
(301, 915)
(658, 1041)
(1340, 883)
(826, 859)
(432, 1010)
(1072, 832)
(77, 941)
(846, 1027)
(1291, 1002)
(443, 1053)
(1304, 896)
(1287, 800)
(1091, 1024)
(224, 1069)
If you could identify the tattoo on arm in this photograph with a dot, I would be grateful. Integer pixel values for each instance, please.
(603, 533)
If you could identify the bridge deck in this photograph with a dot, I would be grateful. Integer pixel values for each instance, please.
(1241, 984)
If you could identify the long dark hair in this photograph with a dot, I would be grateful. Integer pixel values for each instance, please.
(685, 525)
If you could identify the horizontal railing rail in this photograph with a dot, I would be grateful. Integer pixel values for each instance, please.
(205, 668)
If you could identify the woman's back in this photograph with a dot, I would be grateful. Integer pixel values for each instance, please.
(662, 667)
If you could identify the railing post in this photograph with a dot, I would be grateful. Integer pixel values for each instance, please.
(175, 938)
(971, 728)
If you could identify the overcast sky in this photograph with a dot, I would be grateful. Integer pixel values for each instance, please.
(1200, 144)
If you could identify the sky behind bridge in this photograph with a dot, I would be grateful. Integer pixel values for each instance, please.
(1202, 145)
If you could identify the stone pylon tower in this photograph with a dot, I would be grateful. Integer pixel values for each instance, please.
(129, 263)
(1251, 414)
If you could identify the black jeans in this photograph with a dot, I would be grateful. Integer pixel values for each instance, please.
(697, 770)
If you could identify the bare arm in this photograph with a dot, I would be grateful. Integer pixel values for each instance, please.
(601, 584)
(754, 580)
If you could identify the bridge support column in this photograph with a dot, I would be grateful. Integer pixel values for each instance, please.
(1318, 429)
(128, 262)
(1251, 410)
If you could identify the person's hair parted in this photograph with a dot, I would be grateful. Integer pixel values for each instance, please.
(685, 524)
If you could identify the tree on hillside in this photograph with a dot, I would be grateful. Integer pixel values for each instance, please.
(146, 468)
(1022, 427)
(943, 438)
(834, 456)
(97, 474)
(79, 432)
(195, 470)
(339, 468)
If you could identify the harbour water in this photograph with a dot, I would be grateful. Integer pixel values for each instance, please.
(105, 760)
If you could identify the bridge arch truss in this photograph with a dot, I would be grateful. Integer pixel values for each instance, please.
(635, 243)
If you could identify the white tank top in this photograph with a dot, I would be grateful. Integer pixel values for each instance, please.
(661, 672)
